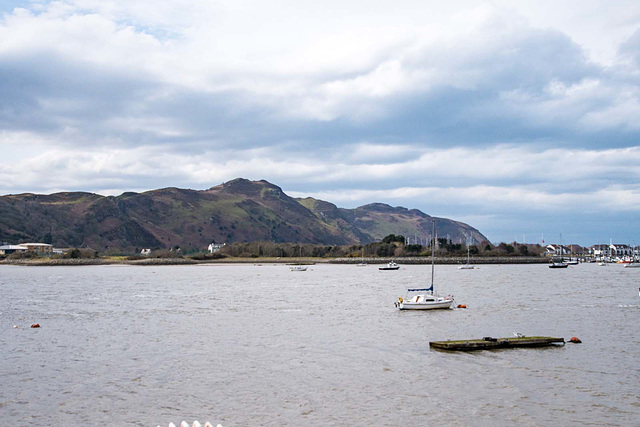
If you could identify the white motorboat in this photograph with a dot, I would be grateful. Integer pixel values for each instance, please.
(298, 268)
(390, 266)
(425, 299)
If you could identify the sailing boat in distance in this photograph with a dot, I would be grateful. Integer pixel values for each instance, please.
(362, 263)
(559, 262)
(425, 299)
(468, 265)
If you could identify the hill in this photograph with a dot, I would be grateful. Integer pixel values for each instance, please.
(235, 211)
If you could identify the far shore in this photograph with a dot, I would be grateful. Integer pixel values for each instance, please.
(267, 260)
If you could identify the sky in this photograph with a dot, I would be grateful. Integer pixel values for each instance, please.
(520, 118)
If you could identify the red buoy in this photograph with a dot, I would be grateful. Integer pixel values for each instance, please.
(462, 306)
(575, 340)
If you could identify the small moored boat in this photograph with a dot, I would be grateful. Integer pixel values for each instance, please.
(390, 266)
(425, 299)
(468, 265)
(558, 263)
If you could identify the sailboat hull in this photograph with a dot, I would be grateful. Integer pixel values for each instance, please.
(426, 305)
(558, 265)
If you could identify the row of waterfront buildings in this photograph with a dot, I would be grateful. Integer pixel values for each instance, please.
(600, 252)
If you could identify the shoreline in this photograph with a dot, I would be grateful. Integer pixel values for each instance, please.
(308, 261)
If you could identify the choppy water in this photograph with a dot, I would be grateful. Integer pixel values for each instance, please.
(260, 345)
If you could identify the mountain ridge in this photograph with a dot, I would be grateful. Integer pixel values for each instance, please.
(239, 210)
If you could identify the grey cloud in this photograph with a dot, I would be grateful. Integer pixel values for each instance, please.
(51, 93)
(631, 47)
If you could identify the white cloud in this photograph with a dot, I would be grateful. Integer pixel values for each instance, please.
(482, 107)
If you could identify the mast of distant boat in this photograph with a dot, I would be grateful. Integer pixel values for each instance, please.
(468, 249)
(433, 259)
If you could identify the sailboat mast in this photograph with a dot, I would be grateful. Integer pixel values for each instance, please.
(433, 249)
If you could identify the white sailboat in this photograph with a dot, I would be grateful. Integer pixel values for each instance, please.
(559, 262)
(298, 267)
(425, 299)
(362, 263)
(468, 265)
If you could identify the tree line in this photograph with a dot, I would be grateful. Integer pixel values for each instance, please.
(390, 246)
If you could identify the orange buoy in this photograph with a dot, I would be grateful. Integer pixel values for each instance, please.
(462, 306)
(35, 325)
(575, 340)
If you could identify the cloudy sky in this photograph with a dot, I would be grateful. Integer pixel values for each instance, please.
(521, 118)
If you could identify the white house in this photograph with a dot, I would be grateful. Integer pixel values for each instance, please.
(556, 250)
(213, 248)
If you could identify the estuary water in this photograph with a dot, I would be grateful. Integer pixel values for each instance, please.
(259, 345)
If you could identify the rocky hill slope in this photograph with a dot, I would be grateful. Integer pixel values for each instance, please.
(236, 211)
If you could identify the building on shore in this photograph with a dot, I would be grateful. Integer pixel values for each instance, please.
(10, 249)
(614, 251)
(38, 248)
(34, 248)
(556, 250)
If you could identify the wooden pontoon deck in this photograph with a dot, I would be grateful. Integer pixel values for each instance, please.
(488, 343)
